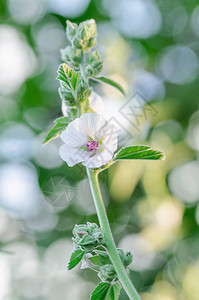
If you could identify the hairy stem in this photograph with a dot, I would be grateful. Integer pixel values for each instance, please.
(110, 244)
(82, 67)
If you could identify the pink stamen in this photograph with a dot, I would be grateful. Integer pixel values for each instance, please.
(92, 145)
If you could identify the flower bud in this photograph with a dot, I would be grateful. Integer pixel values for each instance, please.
(70, 30)
(93, 69)
(87, 236)
(94, 63)
(85, 35)
(107, 273)
(71, 56)
(126, 257)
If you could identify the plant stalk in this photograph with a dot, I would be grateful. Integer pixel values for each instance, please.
(109, 241)
(82, 67)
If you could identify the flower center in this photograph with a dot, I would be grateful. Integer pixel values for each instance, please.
(92, 145)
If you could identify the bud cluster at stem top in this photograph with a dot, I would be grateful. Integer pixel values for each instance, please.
(83, 38)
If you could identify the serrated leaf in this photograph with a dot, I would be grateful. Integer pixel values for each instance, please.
(73, 88)
(139, 152)
(75, 258)
(110, 82)
(58, 127)
(114, 292)
(101, 291)
(66, 96)
(69, 79)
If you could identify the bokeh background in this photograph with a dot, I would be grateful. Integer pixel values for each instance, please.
(150, 47)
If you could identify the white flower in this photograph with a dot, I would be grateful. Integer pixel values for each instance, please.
(96, 104)
(90, 140)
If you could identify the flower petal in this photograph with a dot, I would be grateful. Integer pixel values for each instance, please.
(91, 124)
(98, 160)
(73, 156)
(72, 136)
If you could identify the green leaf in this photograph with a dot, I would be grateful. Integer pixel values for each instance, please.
(75, 258)
(139, 152)
(101, 291)
(69, 79)
(99, 260)
(110, 82)
(93, 63)
(105, 290)
(73, 88)
(114, 292)
(62, 120)
(58, 127)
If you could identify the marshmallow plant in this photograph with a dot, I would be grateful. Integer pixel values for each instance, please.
(90, 140)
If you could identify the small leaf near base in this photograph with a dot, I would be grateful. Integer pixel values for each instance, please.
(75, 258)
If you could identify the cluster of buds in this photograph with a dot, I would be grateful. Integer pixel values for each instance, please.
(80, 63)
(83, 38)
(107, 271)
(87, 236)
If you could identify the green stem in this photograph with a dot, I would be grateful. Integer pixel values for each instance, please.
(110, 244)
(80, 108)
(82, 67)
